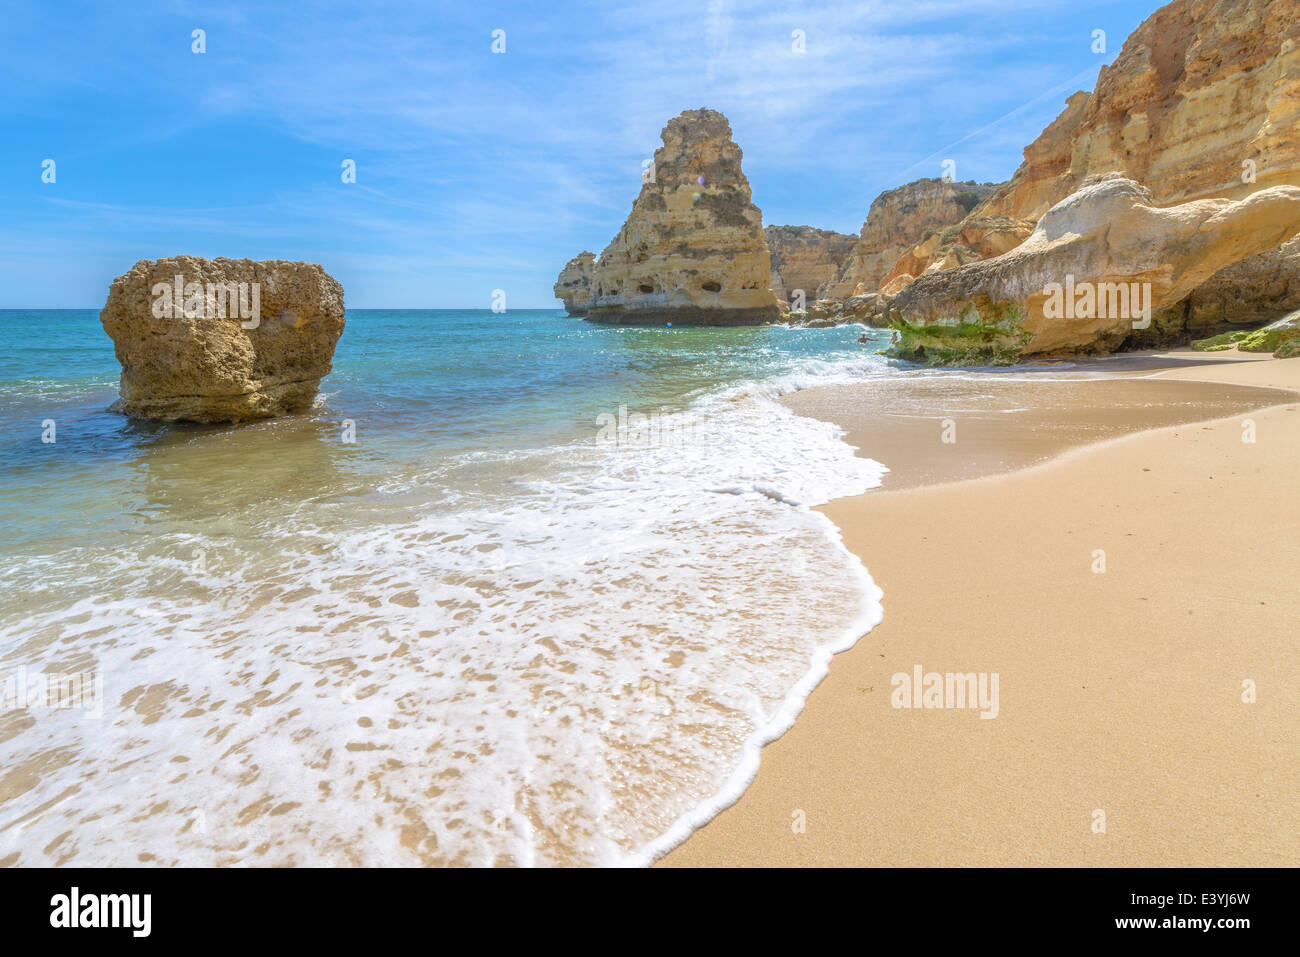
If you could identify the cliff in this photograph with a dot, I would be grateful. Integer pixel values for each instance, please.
(804, 258)
(897, 220)
(1097, 267)
(574, 283)
(1198, 89)
(692, 252)
(1202, 101)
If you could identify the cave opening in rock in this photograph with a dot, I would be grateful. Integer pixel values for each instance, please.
(711, 287)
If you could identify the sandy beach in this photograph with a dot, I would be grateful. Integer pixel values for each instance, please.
(593, 437)
(1122, 737)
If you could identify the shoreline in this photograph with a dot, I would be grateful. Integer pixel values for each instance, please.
(782, 719)
(882, 786)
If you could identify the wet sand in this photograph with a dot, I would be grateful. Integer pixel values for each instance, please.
(1122, 736)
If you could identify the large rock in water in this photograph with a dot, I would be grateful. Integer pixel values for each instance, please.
(574, 284)
(692, 252)
(1098, 261)
(222, 340)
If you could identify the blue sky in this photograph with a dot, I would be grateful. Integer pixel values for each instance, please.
(479, 171)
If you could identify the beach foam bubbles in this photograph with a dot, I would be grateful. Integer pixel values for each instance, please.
(563, 655)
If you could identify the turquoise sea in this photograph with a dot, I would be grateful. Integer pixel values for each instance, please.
(520, 589)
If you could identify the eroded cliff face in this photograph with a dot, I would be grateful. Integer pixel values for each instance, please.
(222, 340)
(804, 258)
(1099, 265)
(1202, 101)
(692, 252)
(899, 219)
(1198, 89)
(973, 239)
(1257, 290)
(574, 283)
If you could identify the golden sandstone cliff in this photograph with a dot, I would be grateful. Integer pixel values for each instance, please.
(222, 340)
(574, 284)
(804, 259)
(883, 250)
(1095, 269)
(1203, 100)
(692, 251)
(1201, 103)
(898, 219)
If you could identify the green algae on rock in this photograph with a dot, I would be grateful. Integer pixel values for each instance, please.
(985, 334)
(1106, 253)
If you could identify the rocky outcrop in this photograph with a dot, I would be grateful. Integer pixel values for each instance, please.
(222, 340)
(804, 259)
(1202, 101)
(574, 284)
(899, 219)
(1198, 89)
(692, 252)
(1245, 294)
(975, 238)
(868, 309)
(1099, 262)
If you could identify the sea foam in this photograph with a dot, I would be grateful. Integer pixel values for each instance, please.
(565, 655)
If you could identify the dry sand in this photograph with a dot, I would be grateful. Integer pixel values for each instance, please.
(1119, 692)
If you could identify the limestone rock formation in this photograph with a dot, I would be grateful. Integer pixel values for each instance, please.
(692, 252)
(222, 340)
(1241, 296)
(1202, 101)
(1098, 262)
(804, 258)
(868, 309)
(574, 283)
(899, 219)
(973, 239)
(1198, 89)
